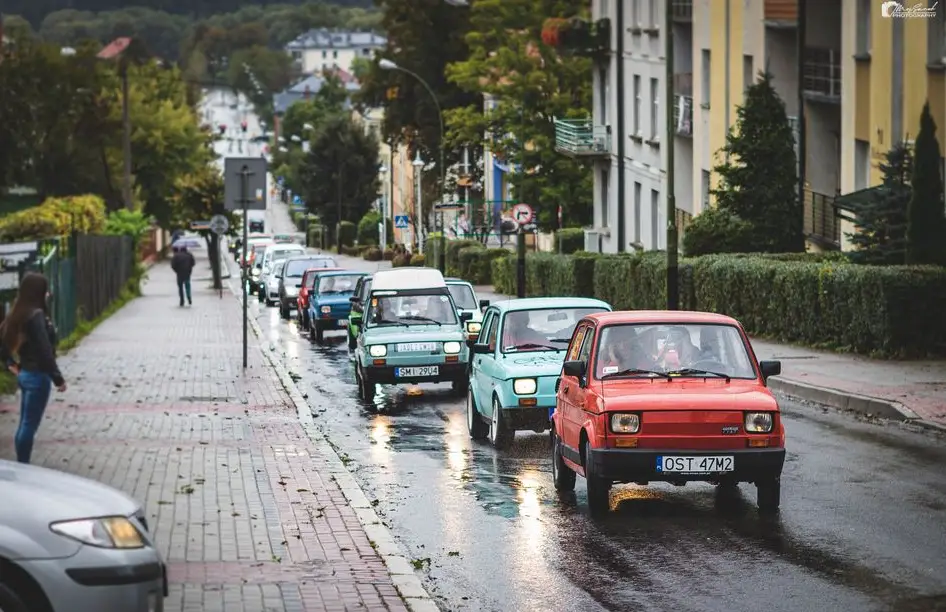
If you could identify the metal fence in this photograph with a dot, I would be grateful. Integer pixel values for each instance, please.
(56, 260)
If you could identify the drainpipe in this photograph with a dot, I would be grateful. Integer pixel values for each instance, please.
(619, 32)
(728, 66)
(802, 138)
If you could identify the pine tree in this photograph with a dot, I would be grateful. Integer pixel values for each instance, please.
(926, 216)
(758, 180)
(881, 221)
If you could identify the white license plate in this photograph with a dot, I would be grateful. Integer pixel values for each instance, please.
(343, 322)
(416, 347)
(695, 465)
(418, 371)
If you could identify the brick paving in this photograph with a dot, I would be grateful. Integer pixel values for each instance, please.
(159, 407)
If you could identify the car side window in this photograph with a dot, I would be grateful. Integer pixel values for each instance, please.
(587, 341)
(574, 348)
(491, 331)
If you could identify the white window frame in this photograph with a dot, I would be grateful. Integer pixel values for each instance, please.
(637, 105)
(654, 108)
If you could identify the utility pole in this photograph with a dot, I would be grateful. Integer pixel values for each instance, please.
(802, 35)
(338, 226)
(126, 136)
(673, 272)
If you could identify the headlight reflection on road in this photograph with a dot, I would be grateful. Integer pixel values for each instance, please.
(381, 438)
(456, 438)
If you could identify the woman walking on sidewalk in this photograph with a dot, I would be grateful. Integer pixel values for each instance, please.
(28, 334)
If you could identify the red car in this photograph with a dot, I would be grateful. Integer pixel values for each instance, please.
(666, 396)
(302, 300)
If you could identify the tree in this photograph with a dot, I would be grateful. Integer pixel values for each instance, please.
(758, 178)
(881, 220)
(273, 70)
(340, 172)
(197, 196)
(532, 84)
(926, 223)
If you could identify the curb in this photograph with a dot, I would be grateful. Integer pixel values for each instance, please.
(406, 581)
(853, 402)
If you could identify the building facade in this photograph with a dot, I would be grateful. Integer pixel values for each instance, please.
(324, 49)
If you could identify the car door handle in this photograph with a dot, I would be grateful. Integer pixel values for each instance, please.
(565, 388)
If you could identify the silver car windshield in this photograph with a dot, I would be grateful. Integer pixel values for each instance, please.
(463, 296)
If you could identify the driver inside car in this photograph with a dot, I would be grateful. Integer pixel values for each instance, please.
(518, 333)
(678, 351)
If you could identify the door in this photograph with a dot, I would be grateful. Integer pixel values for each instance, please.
(571, 394)
(481, 380)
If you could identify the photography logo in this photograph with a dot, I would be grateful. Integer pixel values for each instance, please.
(897, 10)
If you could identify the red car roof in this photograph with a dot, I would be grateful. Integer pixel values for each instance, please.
(661, 316)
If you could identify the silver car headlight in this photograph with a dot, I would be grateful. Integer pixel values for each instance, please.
(474, 328)
(107, 532)
(759, 422)
(622, 422)
(292, 291)
(451, 348)
(256, 272)
(525, 386)
(377, 350)
(326, 310)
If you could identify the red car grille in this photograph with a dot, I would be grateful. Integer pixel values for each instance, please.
(690, 422)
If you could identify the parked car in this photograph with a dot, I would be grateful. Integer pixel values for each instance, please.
(465, 298)
(291, 280)
(302, 301)
(273, 253)
(411, 333)
(68, 544)
(358, 301)
(269, 284)
(516, 363)
(666, 396)
(330, 301)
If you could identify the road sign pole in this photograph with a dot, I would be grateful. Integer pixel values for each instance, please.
(244, 201)
(520, 263)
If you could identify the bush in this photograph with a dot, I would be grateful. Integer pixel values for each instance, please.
(402, 260)
(317, 237)
(453, 255)
(55, 217)
(353, 251)
(388, 255)
(368, 229)
(124, 222)
(347, 232)
(716, 230)
(417, 260)
(475, 263)
(372, 254)
(569, 240)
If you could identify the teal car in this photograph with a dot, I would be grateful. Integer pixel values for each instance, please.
(410, 332)
(358, 300)
(516, 362)
(330, 301)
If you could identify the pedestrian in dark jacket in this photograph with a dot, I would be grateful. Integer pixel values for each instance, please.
(27, 348)
(182, 262)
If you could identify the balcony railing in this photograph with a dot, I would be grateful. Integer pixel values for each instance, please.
(683, 115)
(582, 138)
(822, 73)
(682, 10)
(822, 224)
(683, 83)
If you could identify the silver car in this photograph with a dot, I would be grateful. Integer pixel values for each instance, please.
(269, 283)
(69, 544)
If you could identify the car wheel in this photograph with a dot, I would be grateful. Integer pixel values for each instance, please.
(769, 495)
(10, 601)
(319, 333)
(563, 477)
(474, 420)
(284, 311)
(365, 386)
(499, 433)
(599, 489)
(460, 386)
(305, 319)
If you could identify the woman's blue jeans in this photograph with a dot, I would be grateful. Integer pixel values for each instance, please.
(35, 388)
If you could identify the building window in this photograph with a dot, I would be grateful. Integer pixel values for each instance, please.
(861, 165)
(655, 218)
(334, 54)
(654, 107)
(637, 212)
(747, 76)
(706, 189)
(652, 10)
(864, 9)
(605, 188)
(936, 38)
(324, 54)
(706, 65)
(603, 95)
(635, 13)
(637, 105)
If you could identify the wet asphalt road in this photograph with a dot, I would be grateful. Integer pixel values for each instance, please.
(862, 527)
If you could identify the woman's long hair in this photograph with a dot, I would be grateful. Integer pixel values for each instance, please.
(31, 296)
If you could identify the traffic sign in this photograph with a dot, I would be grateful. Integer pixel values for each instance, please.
(401, 221)
(200, 226)
(251, 194)
(219, 224)
(523, 214)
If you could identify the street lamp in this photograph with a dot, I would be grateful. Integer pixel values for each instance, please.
(384, 193)
(418, 164)
(386, 64)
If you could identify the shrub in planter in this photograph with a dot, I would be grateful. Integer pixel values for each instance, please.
(569, 240)
(352, 251)
(388, 254)
(417, 260)
(347, 231)
(401, 260)
(372, 254)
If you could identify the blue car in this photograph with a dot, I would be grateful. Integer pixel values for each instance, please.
(330, 301)
(516, 362)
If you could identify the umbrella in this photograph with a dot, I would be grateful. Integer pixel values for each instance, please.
(189, 243)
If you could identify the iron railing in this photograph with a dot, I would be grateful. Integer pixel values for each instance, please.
(57, 262)
(683, 115)
(682, 10)
(581, 137)
(821, 74)
(822, 223)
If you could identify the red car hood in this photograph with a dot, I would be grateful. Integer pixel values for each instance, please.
(660, 394)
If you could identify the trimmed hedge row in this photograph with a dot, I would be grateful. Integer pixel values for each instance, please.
(816, 299)
(55, 217)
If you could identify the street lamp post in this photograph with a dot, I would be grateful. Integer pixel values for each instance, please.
(383, 238)
(418, 164)
(386, 64)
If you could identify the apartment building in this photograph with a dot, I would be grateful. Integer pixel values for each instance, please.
(324, 49)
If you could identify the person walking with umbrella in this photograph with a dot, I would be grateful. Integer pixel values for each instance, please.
(182, 262)
(27, 349)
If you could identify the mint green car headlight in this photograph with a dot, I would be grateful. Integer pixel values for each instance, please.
(524, 386)
(377, 350)
(451, 348)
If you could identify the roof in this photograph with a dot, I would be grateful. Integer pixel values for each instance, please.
(457, 281)
(114, 48)
(663, 316)
(309, 85)
(321, 270)
(407, 278)
(340, 272)
(323, 38)
(539, 303)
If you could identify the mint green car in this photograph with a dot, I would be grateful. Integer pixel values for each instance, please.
(516, 362)
(410, 332)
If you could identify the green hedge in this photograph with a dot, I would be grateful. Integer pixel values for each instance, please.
(368, 229)
(319, 238)
(548, 274)
(416, 260)
(474, 263)
(347, 232)
(569, 240)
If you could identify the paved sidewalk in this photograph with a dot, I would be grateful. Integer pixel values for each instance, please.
(244, 504)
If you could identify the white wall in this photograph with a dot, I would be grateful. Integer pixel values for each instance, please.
(315, 60)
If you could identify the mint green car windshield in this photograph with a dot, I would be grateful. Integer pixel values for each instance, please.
(414, 309)
(545, 329)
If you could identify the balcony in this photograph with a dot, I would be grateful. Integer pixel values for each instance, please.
(579, 37)
(682, 11)
(582, 138)
(781, 13)
(821, 78)
(822, 224)
(683, 115)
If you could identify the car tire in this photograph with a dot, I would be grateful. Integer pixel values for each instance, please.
(474, 420)
(366, 387)
(284, 311)
(563, 477)
(319, 333)
(460, 386)
(499, 433)
(769, 495)
(599, 489)
(10, 601)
